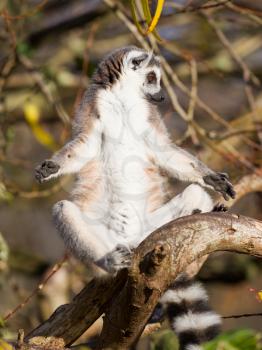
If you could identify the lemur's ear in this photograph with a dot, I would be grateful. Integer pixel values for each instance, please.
(137, 62)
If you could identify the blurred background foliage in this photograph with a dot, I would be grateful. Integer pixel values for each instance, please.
(211, 52)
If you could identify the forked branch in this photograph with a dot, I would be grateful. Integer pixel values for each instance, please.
(129, 299)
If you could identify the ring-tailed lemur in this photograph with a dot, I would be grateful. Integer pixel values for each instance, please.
(122, 155)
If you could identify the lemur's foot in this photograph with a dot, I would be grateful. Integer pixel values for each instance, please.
(116, 260)
(220, 183)
(44, 171)
(196, 211)
(219, 207)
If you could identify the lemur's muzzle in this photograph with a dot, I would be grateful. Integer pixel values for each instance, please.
(158, 97)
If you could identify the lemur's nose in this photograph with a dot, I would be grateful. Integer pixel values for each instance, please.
(157, 97)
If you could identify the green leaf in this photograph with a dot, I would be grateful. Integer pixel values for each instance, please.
(164, 340)
(133, 11)
(2, 322)
(24, 48)
(4, 252)
(5, 196)
(244, 339)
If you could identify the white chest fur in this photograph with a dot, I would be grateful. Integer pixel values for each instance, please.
(124, 121)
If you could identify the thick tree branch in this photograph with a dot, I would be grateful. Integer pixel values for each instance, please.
(69, 321)
(156, 263)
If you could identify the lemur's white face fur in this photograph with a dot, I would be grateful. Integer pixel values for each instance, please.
(141, 69)
(131, 68)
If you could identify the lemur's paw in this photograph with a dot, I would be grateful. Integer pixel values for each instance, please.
(196, 211)
(119, 258)
(45, 170)
(220, 182)
(220, 208)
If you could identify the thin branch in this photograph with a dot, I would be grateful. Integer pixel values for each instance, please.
(40, 286)
(31, 13)
(187, 8)
(40, 81)
(247, 74)
(245, 12)
(243, 315)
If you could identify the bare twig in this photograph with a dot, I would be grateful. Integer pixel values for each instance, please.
(248, 76)
(37, 8)
(188, 8)
(244, 12)
(40, 286)
(40, 81)
(243, 315)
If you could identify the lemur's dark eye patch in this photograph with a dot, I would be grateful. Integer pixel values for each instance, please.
(138, 60)
(151, 78)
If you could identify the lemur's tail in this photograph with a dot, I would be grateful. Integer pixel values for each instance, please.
(190, 316)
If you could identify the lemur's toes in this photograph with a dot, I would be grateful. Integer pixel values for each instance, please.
(123, 256)
(220, 208)
(47, 168)
(196, 211)
(118, 259)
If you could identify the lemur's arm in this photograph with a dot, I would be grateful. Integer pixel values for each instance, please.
(73, 156)
(184, 166)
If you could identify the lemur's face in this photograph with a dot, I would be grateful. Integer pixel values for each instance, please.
(141, 69)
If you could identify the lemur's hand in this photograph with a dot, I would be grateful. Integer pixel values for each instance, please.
(44, 171)
(220, 183)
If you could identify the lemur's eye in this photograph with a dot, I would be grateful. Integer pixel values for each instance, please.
(151, 78)
(137, 61)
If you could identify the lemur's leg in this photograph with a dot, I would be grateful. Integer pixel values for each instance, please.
(88, 240)
(193, 199)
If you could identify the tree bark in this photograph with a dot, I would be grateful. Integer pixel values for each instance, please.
(128, 301)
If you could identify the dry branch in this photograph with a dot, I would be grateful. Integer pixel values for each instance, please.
(156, 262)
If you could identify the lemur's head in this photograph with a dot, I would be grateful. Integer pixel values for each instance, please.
(138, 68)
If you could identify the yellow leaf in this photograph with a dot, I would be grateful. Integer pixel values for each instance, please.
(31, 112)
(5, 346)
(32, 116)
(148, 17)
(259, 294)
(157, 15)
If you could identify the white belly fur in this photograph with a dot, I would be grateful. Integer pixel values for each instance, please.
(124, 201)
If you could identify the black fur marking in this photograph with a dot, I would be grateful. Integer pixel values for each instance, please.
(197, 337)
(211, 332)
(174, 309)
(181, 282)
(110, 67)
(153, 62)
(188, 337)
